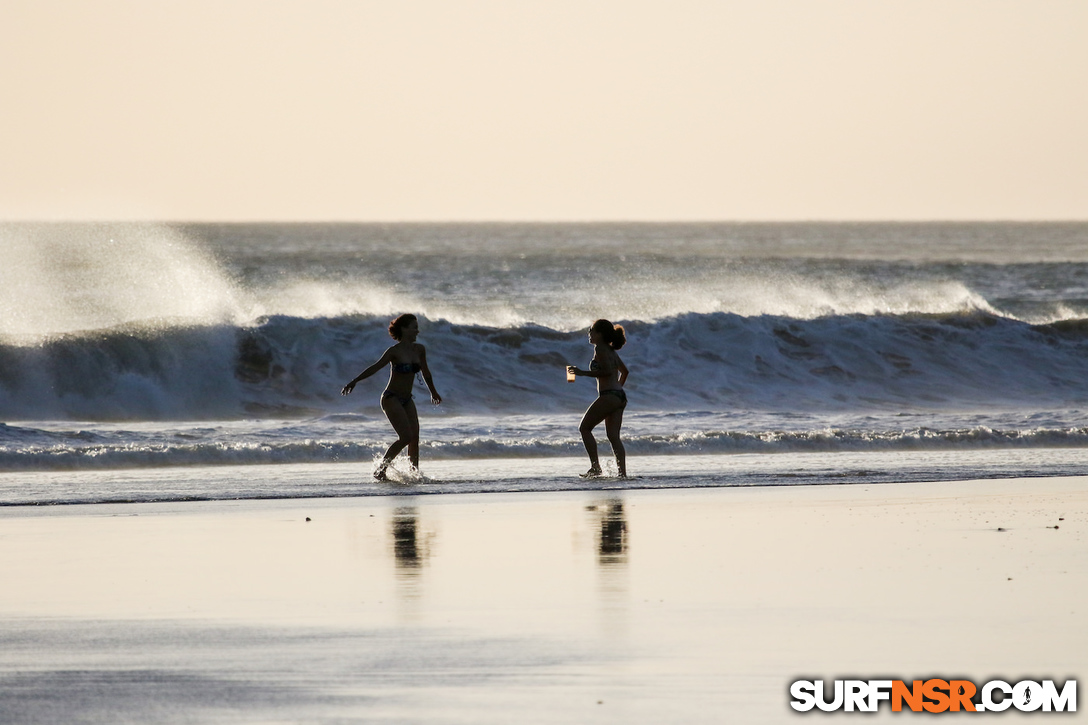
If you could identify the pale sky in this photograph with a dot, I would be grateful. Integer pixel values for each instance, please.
(550, 110)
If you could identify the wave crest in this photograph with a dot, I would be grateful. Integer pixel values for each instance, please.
(291, 367)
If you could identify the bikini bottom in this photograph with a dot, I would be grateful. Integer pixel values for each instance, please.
(618, 393)
(403, 400)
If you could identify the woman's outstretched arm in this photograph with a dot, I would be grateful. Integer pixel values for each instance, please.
(623, 370)
(382, 362)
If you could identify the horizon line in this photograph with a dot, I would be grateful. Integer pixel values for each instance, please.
(543, 222)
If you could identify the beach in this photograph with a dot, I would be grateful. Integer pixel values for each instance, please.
(308, 313)
(678, 605)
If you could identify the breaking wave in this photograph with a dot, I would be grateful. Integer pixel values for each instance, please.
(294, 367)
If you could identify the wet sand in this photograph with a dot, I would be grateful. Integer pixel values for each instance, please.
(619, 606)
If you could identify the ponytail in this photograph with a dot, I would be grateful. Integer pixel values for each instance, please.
(614, 335)
(619, 337)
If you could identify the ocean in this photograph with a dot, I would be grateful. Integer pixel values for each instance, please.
(168, 362)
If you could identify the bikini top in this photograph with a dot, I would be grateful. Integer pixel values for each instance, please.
(409, 368)
(595, 365)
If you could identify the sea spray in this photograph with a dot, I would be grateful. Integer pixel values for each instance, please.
(68, 278)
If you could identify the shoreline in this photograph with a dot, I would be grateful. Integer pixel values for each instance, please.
(299, 481)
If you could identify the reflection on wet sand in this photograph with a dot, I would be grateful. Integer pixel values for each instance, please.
(612, 558)
(408, 553)
(411, 554)
(612, 533)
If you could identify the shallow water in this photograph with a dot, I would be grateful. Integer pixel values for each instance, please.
(529, 475)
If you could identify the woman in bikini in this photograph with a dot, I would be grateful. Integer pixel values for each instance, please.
(611, 374)
(406, 358)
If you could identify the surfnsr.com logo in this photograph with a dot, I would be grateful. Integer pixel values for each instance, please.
(934, 695)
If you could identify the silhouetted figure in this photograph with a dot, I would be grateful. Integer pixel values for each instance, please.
(611, 375)
(405, 359)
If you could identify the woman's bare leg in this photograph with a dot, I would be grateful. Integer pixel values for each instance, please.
(413, 443)
(600, 409)
(612, 425)
(399, 418)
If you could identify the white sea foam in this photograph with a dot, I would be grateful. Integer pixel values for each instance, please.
(312, 299)
(649, 297)
(362, 441)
